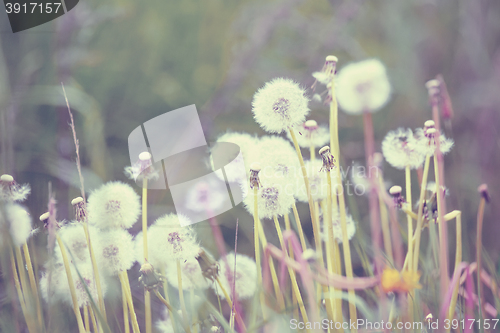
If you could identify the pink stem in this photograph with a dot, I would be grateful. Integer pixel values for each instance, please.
(469, 311)
(455, 280)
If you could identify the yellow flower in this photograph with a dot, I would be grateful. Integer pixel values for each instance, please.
(393, 280)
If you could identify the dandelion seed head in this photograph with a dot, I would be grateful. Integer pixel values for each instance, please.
(60, 288)
(337, 228)
(279, 161)
(206, 195)
(113, 205)
(363, 87)
(279, 105)
(74, 238)
(142, 169)
(272, 199)
(236, 170)
(191, 273)
(401, 149)
(317, 182)
(244, 279)
(11, 191)
(18, 222)
(114, 251)
(168, 240)
(427, 141)
(312, 135)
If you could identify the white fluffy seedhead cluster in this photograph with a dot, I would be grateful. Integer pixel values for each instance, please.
(278, 160)
(59, 286)
(75, 241)
(245, 278)
(337, 228)
(168, 240)
(279, 105)
(363, 87)
(310, 134)
(318, 182)
(114, 205)
(11, 191)
(192, 276)
(401, 149)
(272, 199)
(238, 170)
(18, 222)
(427, 142)
(114, 251)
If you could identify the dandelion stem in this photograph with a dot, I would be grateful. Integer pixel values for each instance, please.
(458, 259)
(408, 217)
(420, 213)
(126, 323)
(443, 245)
(94, 321)
(27, 316)
(71, 284)
(34, 288)
(147, 295)
(126, 285)
(170, 309)
(256, 226)
(274, 276)
(181, 297)
(95, 270)
(479, 247)
(291, 272)
(384, 219)
(290, 252)
(299, 227)
(224, 291)
(86, 318)
(167, 299)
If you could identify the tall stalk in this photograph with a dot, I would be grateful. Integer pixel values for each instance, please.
(147, 295)
(443, 244)
(34, 288)
(126, 285)
(420, 213)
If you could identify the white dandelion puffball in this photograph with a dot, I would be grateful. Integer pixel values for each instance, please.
(168, 240)
(192, 277)
(18, 223)
(75, 241)
(400, 149)
(337, 228)
(114, 251)
(272, 199)
(278, 160)
(280, 104)
(318, 182)
(245, 279)
(427, 142)
(237, 169)
(59, 286)
(310, 134)
(114, 205)
(363, 87)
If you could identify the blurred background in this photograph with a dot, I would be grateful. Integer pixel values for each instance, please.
(124, 62)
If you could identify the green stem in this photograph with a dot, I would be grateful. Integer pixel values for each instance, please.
(420, 218)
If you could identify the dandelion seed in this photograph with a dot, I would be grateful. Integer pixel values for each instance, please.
(206, 195)
(114, 251)
(313, 135)
(427, 141)
(400, 149)
(363, 87)
(10, 190)
(114, 205)
(244, 279)
(279, 105)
